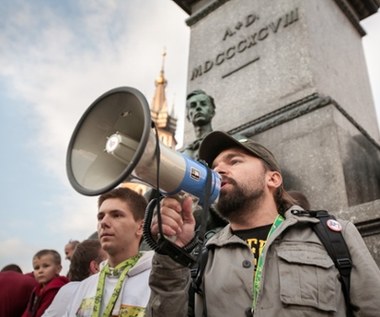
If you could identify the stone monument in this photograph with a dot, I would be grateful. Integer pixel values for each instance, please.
(291, 74)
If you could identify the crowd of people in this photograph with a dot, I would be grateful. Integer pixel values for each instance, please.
(108, 276)
(263, 259)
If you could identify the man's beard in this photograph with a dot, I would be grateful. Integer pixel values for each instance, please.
(242, 199)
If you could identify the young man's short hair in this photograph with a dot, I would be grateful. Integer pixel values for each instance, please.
(135, 201)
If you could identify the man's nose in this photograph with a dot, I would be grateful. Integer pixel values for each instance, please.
(198, 106)
(220, 168)
(104, 222)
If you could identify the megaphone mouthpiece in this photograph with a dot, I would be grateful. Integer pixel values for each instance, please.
(121, 147)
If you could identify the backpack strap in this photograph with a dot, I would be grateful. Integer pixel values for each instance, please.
(197, 273)
(329, 232)
(196, 282)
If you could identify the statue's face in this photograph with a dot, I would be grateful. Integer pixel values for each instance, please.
(199, 110)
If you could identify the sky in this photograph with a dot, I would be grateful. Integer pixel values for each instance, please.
(56, 58)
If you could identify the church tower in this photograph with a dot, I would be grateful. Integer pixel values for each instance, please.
(166, 123)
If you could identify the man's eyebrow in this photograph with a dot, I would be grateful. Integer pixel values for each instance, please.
(229, 156)
(116, 210)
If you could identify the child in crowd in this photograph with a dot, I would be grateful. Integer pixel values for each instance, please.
(85, 261)
(46, 266)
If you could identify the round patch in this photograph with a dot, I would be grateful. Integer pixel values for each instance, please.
(334, 225)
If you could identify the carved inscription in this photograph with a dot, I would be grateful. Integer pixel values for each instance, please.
(247, 22)
(246, 43)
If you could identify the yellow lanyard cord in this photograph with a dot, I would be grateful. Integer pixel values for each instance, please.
(122, 269)
(260, 263)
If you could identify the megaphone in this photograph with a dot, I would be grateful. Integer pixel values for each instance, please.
(114, 142)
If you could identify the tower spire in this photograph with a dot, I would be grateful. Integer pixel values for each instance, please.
(163, 59)
(165, 123)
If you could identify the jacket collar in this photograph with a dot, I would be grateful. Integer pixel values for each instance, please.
(293, 215)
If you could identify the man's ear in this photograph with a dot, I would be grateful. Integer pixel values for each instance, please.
(274, 179)
(139, 231)
(94, 267)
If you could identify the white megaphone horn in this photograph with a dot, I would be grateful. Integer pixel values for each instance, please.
(114, 142)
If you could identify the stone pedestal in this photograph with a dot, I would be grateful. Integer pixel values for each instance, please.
(291, 74)
(255, 56)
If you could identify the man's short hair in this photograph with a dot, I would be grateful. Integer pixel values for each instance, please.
(85, 252)
(201, 92)
(74, 243)
(135, 201)
(12, 267)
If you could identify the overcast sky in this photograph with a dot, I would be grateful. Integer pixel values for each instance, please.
(56, 58)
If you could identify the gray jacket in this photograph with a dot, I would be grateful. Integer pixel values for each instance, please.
(299, 278)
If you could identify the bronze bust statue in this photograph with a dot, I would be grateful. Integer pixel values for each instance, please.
(200, 109)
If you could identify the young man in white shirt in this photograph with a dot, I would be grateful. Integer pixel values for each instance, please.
(121, 287)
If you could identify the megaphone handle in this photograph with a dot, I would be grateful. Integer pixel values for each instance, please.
(148, 222)
(176, 253)
(163, 245)
(181, 196)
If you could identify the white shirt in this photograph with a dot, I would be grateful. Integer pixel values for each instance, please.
(61, 300)
(133, 297)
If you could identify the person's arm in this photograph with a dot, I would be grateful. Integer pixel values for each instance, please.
(365, 275)
(169, 281)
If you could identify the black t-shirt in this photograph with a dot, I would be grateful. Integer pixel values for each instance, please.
(255, 238)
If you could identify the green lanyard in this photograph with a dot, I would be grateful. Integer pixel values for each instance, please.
(260, 263)
(124, 268)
